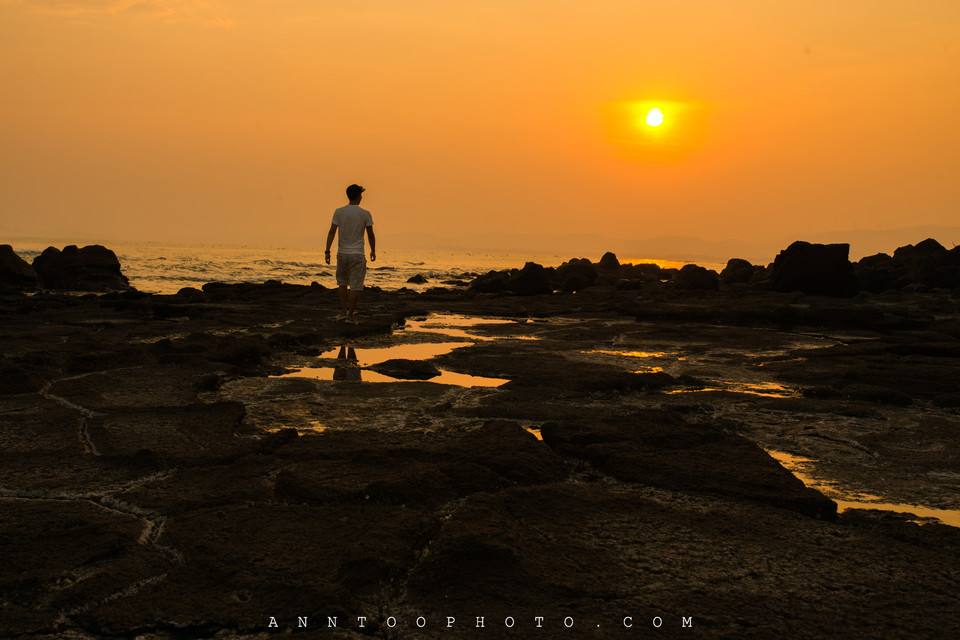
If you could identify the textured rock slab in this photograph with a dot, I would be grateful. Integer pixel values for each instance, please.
(245, 563)
(599, 552)
(420, 471)
(154, 386)
(65, 556)
(190, 434)
(661, 450)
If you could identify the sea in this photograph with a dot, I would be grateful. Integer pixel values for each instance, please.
(167, 268)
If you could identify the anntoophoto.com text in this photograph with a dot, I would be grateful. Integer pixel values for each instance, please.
(479, 623)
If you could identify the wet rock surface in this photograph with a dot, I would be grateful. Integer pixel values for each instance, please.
(160, 478)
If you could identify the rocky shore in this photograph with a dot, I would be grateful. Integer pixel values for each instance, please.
(198, 465)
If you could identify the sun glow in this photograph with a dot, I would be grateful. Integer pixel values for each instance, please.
(654, 117)
(656, 129)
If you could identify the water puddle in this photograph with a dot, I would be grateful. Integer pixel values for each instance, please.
(761, 389)
(347, 363)
(365, 356)
(666, 361)
(535, 432)
(459, 326)
(798, 466)
(351, 372)
(314, 426)
(634, 354)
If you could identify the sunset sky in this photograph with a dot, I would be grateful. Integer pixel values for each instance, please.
(502, 124)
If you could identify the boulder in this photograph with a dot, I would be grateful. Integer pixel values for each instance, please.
(818, 269)
(927, 263)
(641, 270)
(491, 282)
(405, 369)
(91, 268)
(876, 273)
(530, 280)
(576, 274)
(923, 251)
(913, 267)
(609, 261)
(417, 279)
(695, 277)
(15, 272)
(737, 271)
(191, 294)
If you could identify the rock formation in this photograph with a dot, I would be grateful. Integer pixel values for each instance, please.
(820, 269)
(91, 268)
(15, 273)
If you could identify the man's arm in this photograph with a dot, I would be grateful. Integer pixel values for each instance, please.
(373, 244)
(330, 235)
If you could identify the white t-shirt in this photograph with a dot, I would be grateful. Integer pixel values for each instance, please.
(351, 220)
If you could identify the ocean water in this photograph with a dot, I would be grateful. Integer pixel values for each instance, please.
(163, 268)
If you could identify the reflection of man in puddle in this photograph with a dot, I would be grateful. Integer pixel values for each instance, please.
(347, 368)
(351, 221)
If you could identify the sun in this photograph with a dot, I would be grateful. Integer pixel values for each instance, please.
(656, 128)
(654, 117)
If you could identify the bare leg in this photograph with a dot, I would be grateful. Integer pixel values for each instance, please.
(354, 297)
(342, 292)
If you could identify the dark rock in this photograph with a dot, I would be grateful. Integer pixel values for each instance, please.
(876, 394)
(609, 261)
(920, 267)
(876, 273)
(91, 268)
(660, 449)
(927, 263)
(491, 282)
(737, 271)
(644, 271)
(531, 280)
(417, 279)
(860, 392)
(191, 294)
(456, 282)
(695, 277)
(46, 541)
(216, 287)
(947, 400)
(509, 451)
(190, 434)
(576, 274)
(207, 382)
(15, 272)
(923, 251)
(421, 473)
(14, 379)
(406, 369)
(819, 269)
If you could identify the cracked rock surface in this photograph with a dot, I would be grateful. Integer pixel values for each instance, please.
(189, 466)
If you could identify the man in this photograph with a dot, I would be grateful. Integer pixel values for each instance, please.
(351, 221)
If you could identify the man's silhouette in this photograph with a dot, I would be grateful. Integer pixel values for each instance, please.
(351, 220)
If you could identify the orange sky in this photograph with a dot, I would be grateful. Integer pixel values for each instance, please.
(501, 124)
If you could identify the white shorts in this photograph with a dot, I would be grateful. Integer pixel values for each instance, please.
(351, 270)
